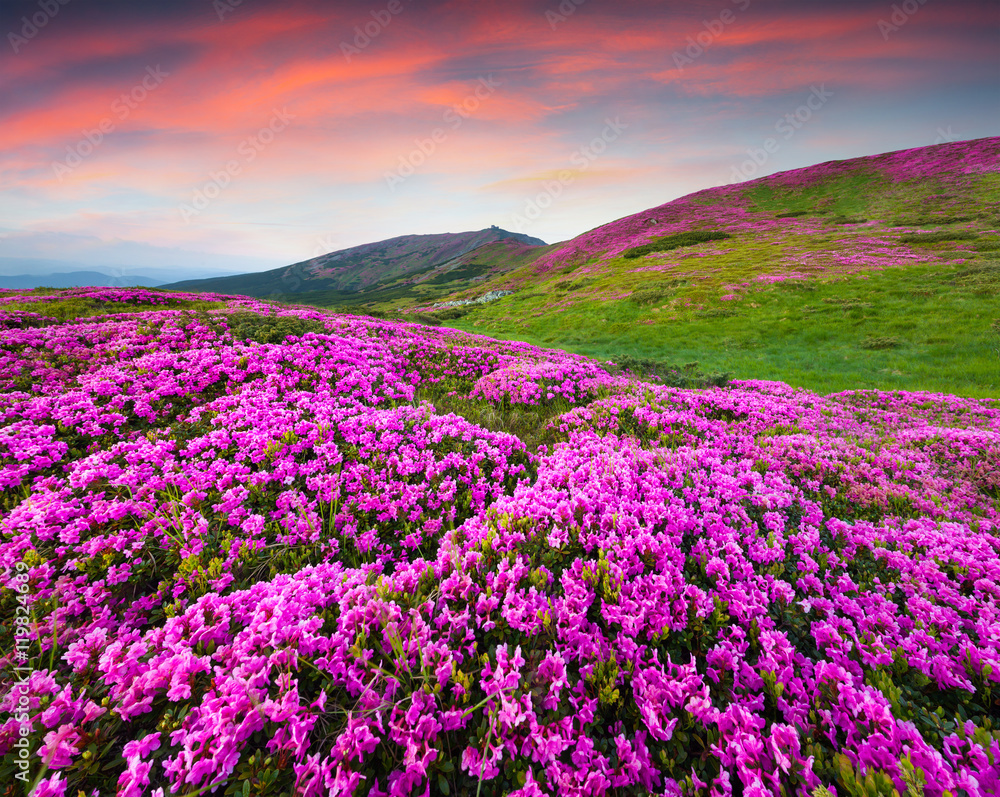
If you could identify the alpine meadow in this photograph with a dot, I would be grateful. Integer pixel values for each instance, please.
(672, 470)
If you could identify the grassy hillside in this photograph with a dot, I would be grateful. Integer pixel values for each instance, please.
(381, 271)
(873, 272)
(460, 277)
(924, 327)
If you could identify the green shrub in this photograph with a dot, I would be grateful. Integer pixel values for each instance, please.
(667, 242)
(847, 303)
(367, 312)
(451, 313)
(924, 221)
(427, 319)
(792, 214)
(981, 278)
(716, 312)
(655, 292)
(270, 329)
(875, 343)
(937, 237)
(528, 422)
(665, 373)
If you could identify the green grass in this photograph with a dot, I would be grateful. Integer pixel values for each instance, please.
(927, 327)
(840, 195)
(461, 273)
(529, 423)
(248, 325)
(861, 194)
(937, 237)
(665, 243)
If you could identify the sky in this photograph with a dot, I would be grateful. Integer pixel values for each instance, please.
(246, 134)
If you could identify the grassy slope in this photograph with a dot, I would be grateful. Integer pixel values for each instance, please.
(383, 267)
(815, 334)
(460, 277)
(866, 307)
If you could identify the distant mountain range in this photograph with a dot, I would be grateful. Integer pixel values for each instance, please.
(40, 254)
(384, 270)
(26, 272)
(74, 279)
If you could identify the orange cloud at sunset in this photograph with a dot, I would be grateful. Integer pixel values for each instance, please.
(85, 141)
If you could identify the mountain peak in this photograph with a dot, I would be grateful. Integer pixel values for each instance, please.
(398, 262)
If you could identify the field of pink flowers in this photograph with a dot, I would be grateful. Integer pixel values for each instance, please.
(266, 568)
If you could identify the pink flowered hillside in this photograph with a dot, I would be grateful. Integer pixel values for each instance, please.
(245, 550)
(949, 169)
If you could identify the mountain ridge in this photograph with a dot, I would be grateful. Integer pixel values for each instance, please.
(74, 279)
(381, 265)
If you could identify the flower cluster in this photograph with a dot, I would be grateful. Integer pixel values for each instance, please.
(540, 383)
(277, 567)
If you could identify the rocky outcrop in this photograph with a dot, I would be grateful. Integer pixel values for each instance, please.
(486, 298)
